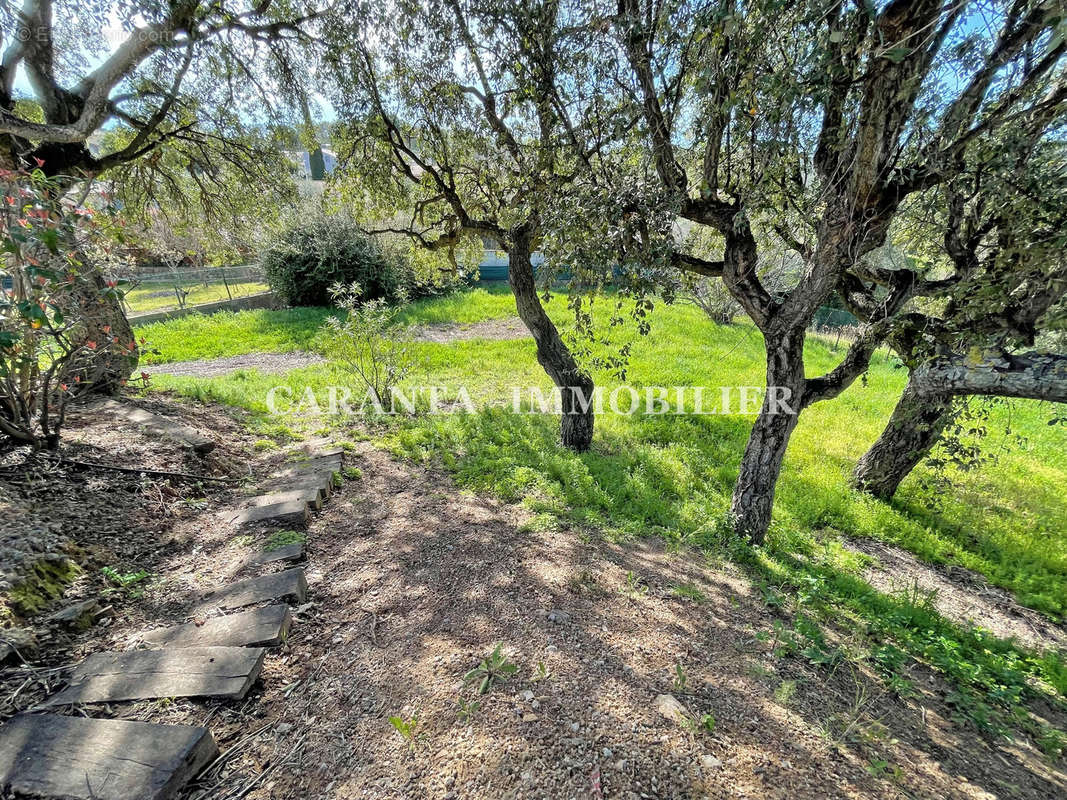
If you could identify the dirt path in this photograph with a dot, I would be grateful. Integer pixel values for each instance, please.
(414, 582)
(443, 333)
(958, 594)
(216, 367)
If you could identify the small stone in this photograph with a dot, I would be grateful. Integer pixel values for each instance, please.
(527, 695)
(669, 707)
(558, 616)
(16, 643)
(607, 752)
(710, 763)
(575, 727)
(79, 616)
(283, 727)
(551, 649)
(530, 718)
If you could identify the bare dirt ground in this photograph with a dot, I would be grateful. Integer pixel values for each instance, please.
(269, 363)
(413, 582)
(510, 328)
(958, 594)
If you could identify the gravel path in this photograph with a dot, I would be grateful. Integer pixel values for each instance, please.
(215, 367)
(271, 363)
(445, 332)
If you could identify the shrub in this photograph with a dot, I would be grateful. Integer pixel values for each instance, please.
(49, 351)
(369, 343)
(308, 257)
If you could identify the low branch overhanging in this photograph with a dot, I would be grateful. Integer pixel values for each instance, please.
(1035, 375)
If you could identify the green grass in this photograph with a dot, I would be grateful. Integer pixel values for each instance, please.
(153, 297)
(671, 476)
(232, 333)
(475, 305)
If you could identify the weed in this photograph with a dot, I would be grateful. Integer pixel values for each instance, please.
(635, 585)
(680, 678)
(125, 581)
(541, 672)
(467, 709)
(784, 692)
(406, 728)
(494, 669)
(688, 592)
(771, 597)
(353, 473)
(262, 445)
(877, 767)
(284, 537)
(1053, 743)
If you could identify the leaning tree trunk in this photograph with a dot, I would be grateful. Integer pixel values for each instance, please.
(576, 387)
(914, 428)
(98, 310)
(103, 321)
(753, 498)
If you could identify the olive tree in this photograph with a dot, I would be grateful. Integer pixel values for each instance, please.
(1003, 239)
(478, 120)
(174, 77)
(813, 123)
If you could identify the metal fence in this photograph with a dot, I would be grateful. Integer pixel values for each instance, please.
(160, 289)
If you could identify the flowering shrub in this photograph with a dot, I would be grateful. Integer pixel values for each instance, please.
(48, 353)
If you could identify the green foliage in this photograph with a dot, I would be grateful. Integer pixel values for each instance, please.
(309, 256)
(231, 333)
(468, 709)
(46, 357)
(688, 592)
(407, 729)
(493, 669)
(681, 679)
(284, 537)
(369, 343)
(125, 581)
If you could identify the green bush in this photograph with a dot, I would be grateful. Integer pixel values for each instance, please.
(309, 256)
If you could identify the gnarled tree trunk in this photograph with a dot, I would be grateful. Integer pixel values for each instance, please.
(102, 319)
(576, 387)
(913, 429)
(753, 498)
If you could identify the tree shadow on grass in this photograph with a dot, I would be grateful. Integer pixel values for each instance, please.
(416, 583)
(671, 477)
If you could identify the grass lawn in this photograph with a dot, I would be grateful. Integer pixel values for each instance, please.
(153, 297)
(671, 475)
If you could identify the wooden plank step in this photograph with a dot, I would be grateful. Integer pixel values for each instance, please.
(311, 495)
(321, 483)
(47, 755)
(161, 426)
(259, 627)
(290, 585)
(319, 448)
(312, 466)
(291, 514)
(227, 672)
(287, 552)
